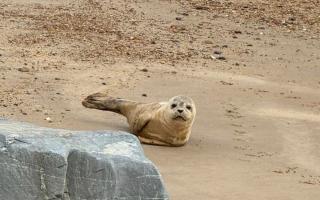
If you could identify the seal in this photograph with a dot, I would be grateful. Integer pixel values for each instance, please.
(164, 123)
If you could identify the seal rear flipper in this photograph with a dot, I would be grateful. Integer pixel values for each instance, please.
(102, 101)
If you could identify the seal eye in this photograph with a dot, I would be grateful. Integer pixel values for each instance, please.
(173, 105)
(188, 107)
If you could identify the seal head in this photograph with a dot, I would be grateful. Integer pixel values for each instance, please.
(181, 109)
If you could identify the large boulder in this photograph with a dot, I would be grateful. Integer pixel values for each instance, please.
(42, 163)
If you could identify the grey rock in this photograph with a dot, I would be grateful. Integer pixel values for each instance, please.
(42, 163)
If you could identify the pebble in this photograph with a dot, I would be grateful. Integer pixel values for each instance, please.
(179, 18)
(207, 42)
(226, 83)
(144, 95)
(217, 52)
(23, 112)
(218, 57)
(48, 119)
(201, 8)
(144, 70)
(23, 69)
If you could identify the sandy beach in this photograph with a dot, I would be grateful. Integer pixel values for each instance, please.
(252, 68)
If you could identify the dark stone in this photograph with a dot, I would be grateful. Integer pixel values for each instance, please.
(23, 69)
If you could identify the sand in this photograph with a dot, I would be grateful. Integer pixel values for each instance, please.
(253, 70)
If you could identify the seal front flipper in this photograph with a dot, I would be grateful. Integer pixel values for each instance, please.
(140, 123)
(152, 141)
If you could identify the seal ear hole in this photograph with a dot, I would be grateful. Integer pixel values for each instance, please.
(173, 105)
(189, 107)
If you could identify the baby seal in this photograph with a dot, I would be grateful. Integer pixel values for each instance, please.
(165, 123)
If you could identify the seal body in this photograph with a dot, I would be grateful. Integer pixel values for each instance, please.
(165, 123)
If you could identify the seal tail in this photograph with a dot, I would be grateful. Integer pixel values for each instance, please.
(103, 102)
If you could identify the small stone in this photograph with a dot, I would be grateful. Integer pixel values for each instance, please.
(238, 32)
(179, 18)
(23, 69)
(207, 42)
(57, 79)
(48, 119)
(291, 18)
(144, 95)
(226, 83)
(104, 83)
(217, 52)
(201, 8)
(144, 70)
(218, 57)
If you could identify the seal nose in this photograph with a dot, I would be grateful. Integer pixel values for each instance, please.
(180, 111)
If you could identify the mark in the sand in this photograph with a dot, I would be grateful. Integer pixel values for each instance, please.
(290, 114)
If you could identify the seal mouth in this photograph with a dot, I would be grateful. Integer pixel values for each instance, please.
(179, 118)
